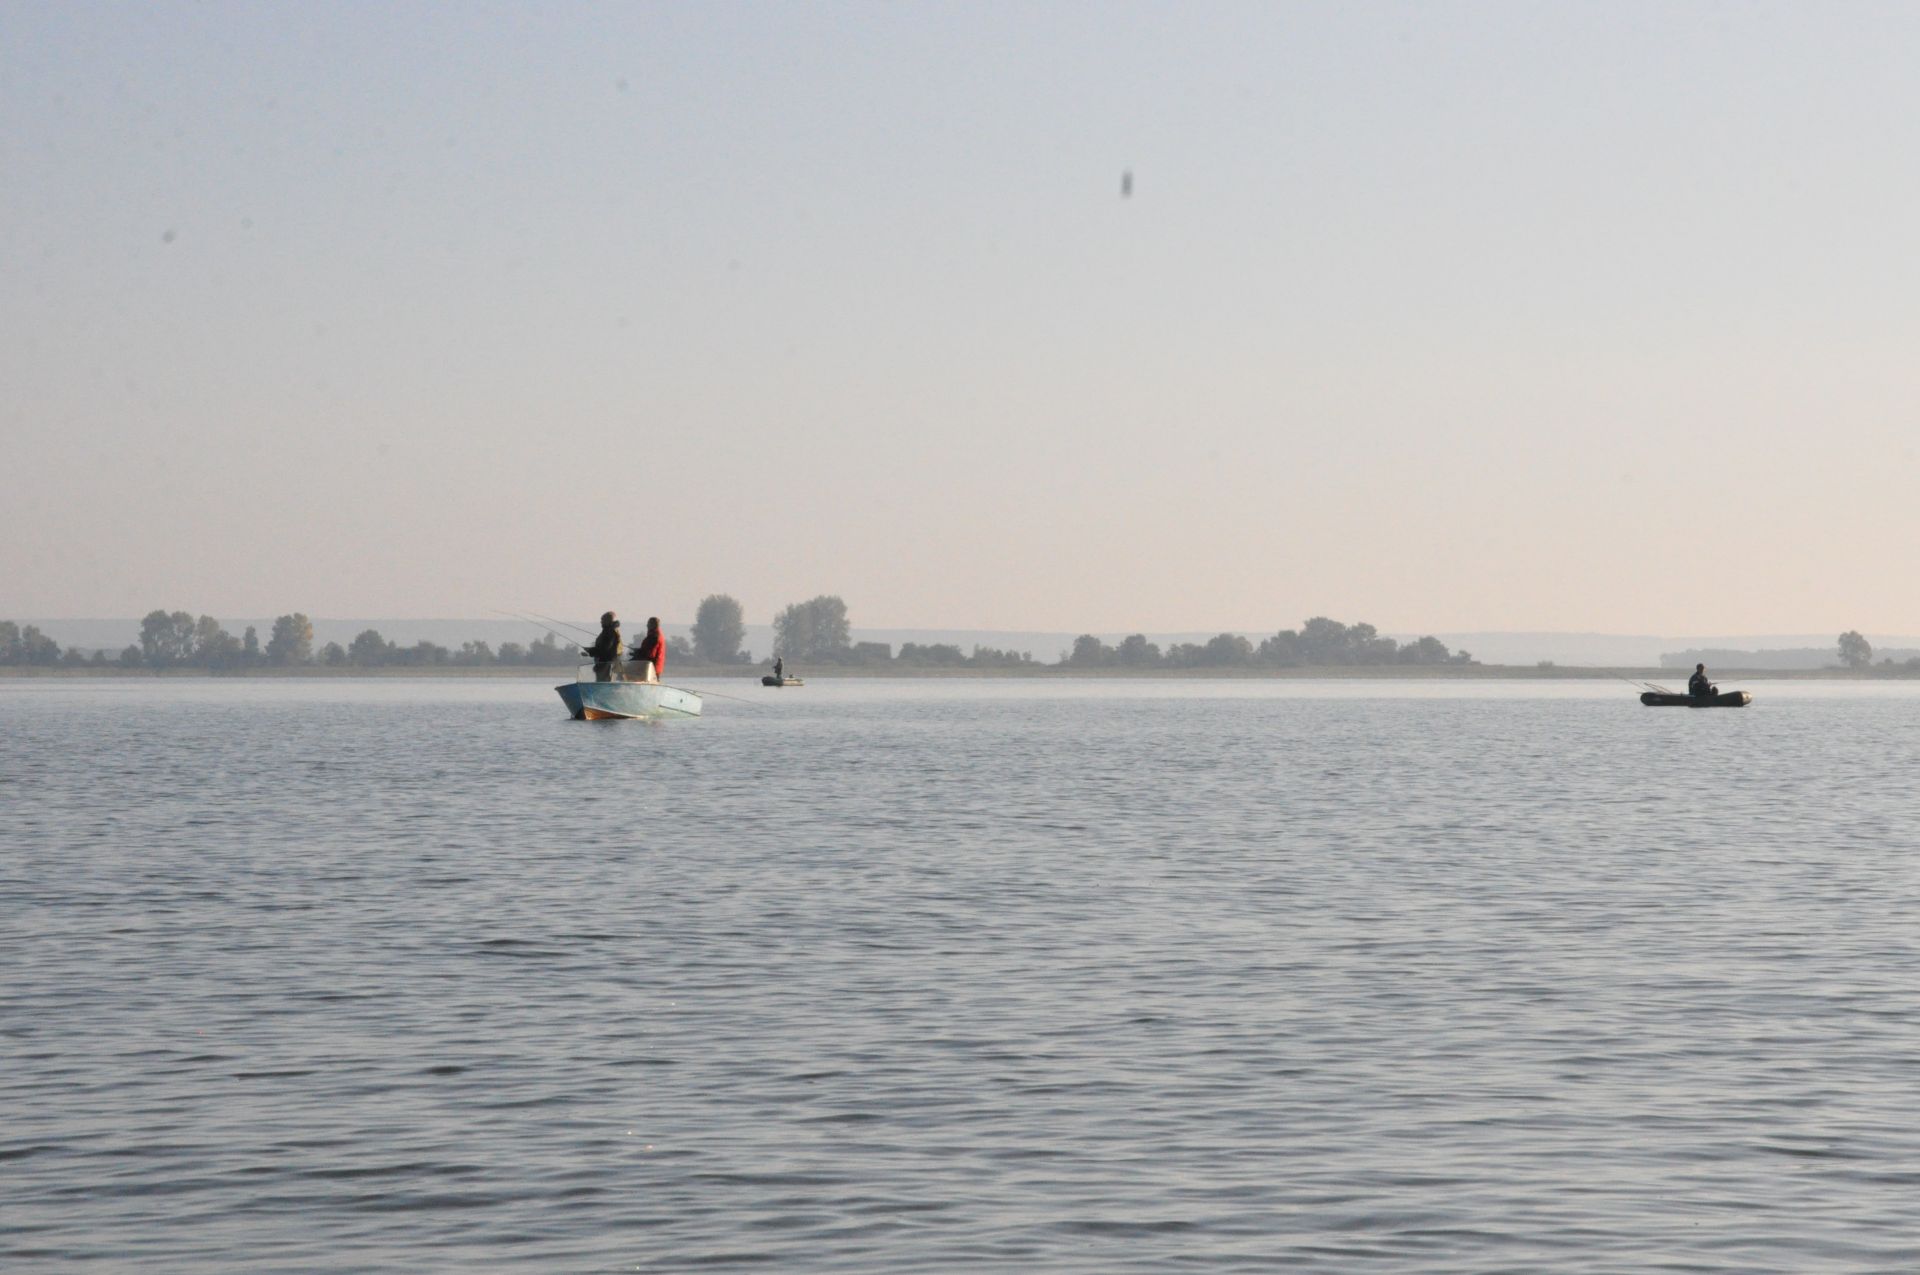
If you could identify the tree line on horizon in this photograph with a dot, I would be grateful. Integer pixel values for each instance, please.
(817, 631)
(177, 640)
(1319, 642)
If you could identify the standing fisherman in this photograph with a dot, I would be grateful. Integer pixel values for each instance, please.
(651, 651)
(605, 651)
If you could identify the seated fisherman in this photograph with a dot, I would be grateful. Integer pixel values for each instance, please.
(1698, 686)
(605, 651)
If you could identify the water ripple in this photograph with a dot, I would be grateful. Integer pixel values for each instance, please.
(926, 977)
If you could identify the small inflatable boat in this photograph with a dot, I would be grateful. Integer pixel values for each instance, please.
(1724, 699)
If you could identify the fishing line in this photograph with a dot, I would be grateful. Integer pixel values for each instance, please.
(570, 641)
(694, 690)
(563, 624)
(1655, 687)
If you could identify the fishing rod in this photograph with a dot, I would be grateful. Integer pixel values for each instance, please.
(1655, 687)
(570, 641)
(691, 690)
(577, 628)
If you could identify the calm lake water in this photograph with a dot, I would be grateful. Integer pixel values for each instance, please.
(950, 976)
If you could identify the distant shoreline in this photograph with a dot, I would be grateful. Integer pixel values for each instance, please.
(752, 674)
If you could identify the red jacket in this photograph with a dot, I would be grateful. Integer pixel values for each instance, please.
(653, 647)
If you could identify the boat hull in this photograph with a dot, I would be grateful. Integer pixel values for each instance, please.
(615, 701)
(771, 680)
(1725, 699)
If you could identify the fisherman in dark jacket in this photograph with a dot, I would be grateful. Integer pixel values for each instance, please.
(605, 651)
(1698, 686)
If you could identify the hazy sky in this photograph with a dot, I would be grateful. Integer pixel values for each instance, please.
(1442, 316)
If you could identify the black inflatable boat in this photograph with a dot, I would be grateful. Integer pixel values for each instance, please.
(1725, 699)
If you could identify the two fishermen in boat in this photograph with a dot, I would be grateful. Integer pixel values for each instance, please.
(650, 650)
(1698, 686)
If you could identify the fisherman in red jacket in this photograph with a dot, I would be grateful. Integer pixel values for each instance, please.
(651, 651)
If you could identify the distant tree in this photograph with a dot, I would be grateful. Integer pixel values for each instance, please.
(1282, 650)
(213, 646)
(1323, 641)
(931, 654)
(678, 648)
(250, 646)
(1186, 655)
(812, 630)
(9, 642)
(870, 652)
(992, 657)
(1228, 650)
(1366, 646)
(1431, 650)
(131, 657)
(1855, 651)
(292, 640)
(548, 653)
(333, 655)
(718, 629)
(368, 649)
(1135, 651)
(37, 648)
(421, 654)
(474, 655)
(166, 639)
(156, 639)
(1089, 652)
(512, 653)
